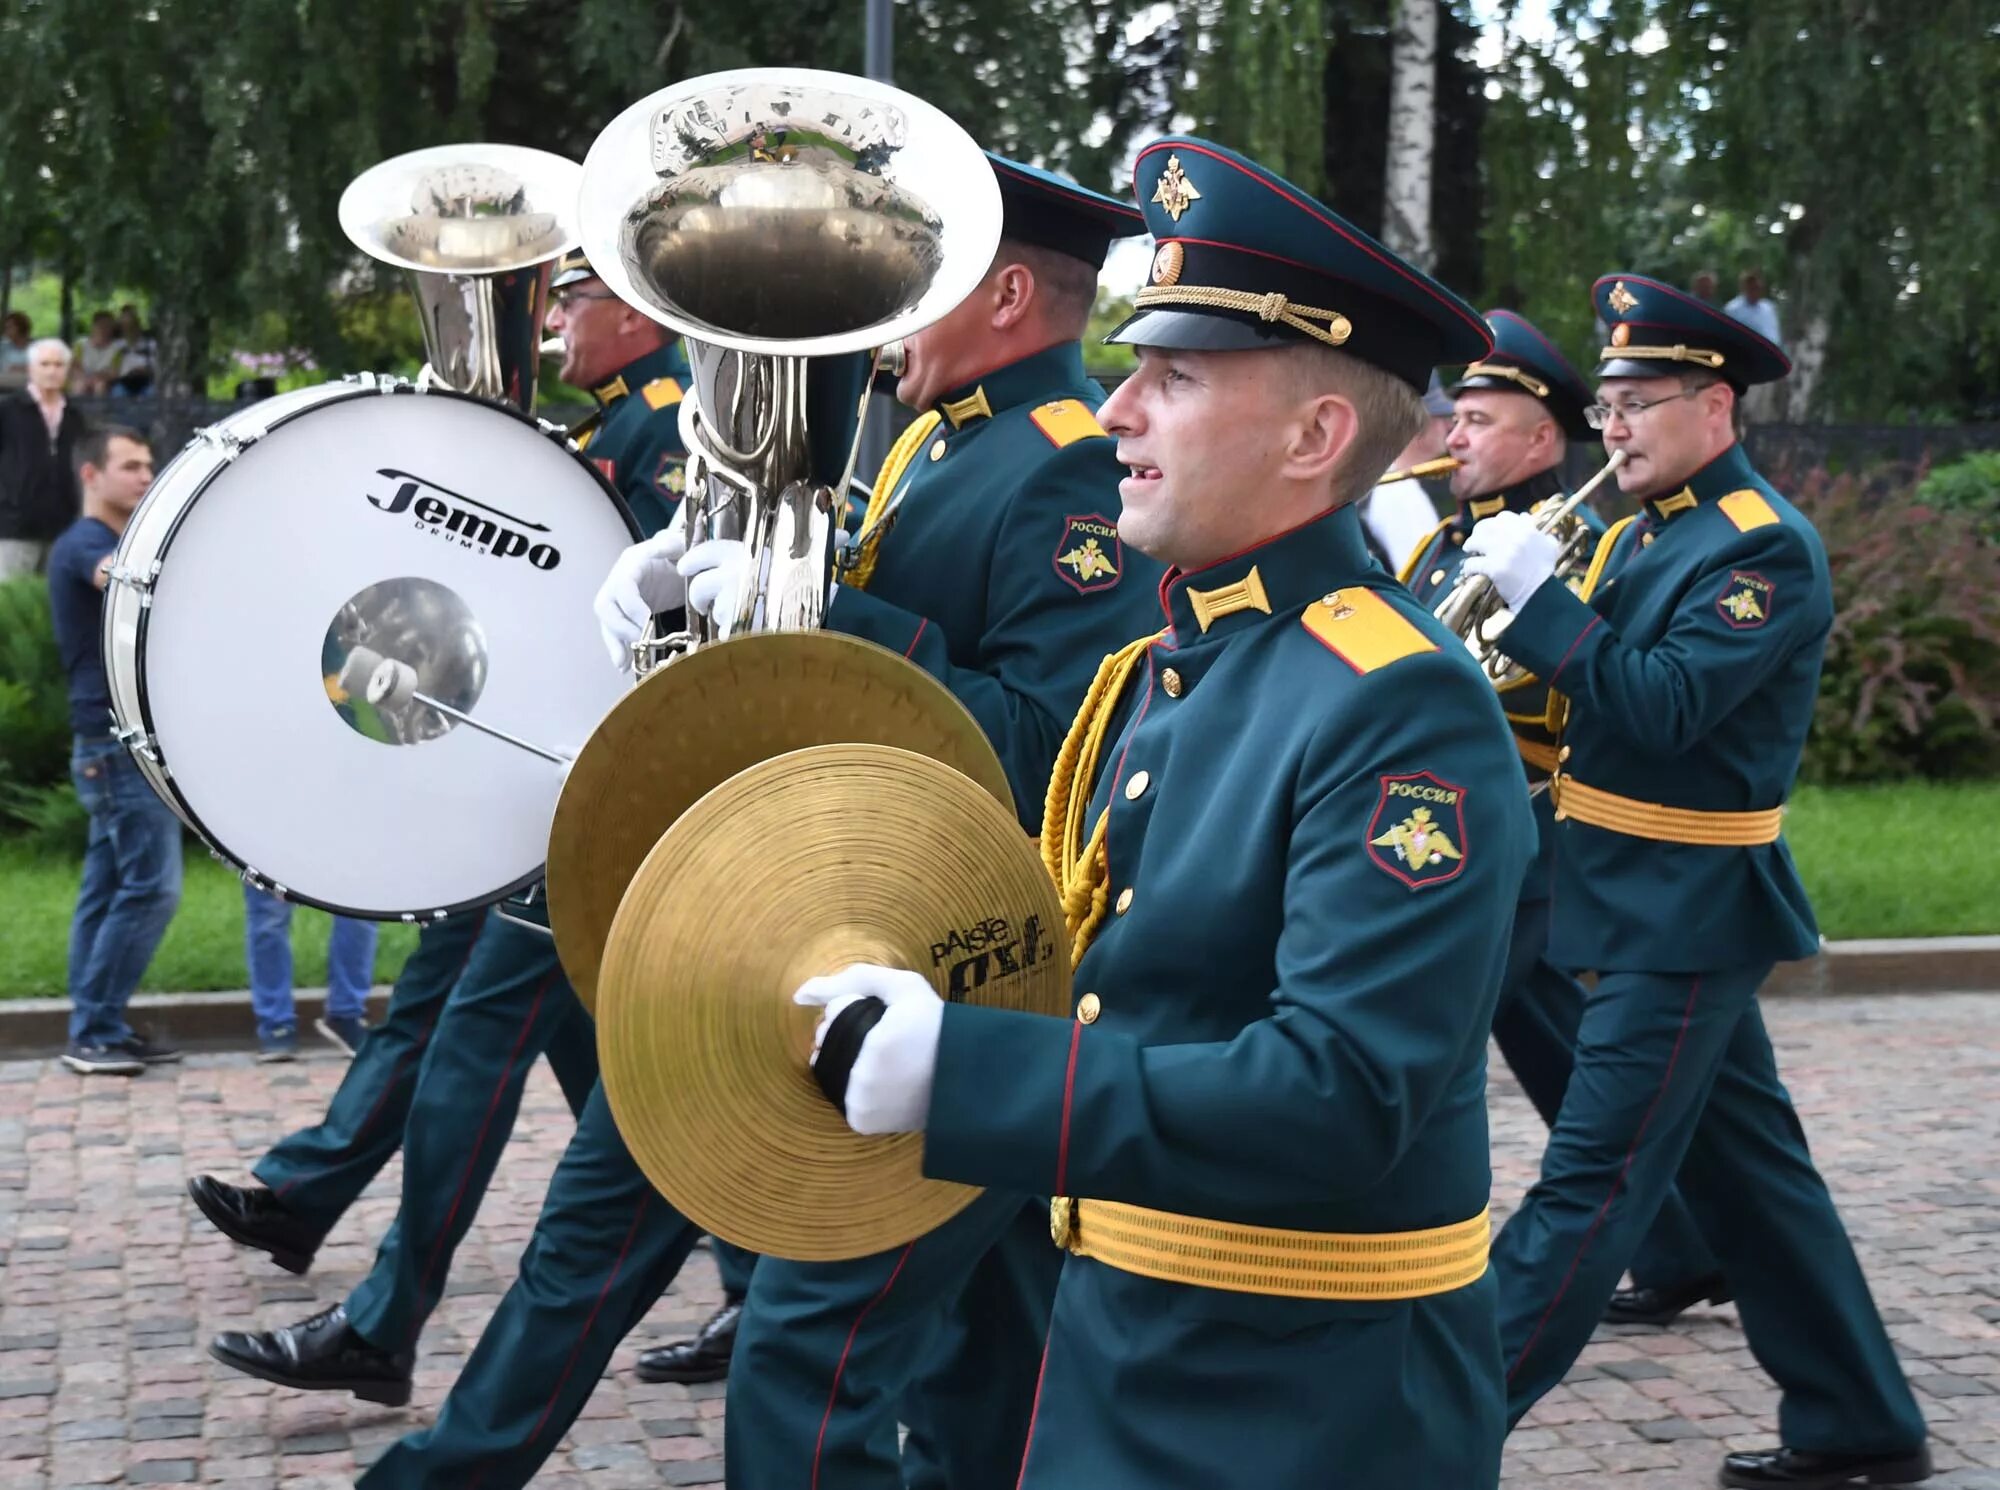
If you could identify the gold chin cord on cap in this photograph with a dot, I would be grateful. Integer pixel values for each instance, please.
(1696, 355)
(1272, 307)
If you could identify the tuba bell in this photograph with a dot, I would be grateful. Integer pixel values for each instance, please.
(1472, 608)
(478, 229)
(771, 215)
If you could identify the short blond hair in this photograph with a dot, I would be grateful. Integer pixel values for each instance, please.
(1389, 413)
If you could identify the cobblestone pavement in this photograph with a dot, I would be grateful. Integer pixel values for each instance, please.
(110, 1285)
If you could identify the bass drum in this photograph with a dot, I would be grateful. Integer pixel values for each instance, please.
(350, 641)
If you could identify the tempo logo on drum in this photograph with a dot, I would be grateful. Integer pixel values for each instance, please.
(450, 520)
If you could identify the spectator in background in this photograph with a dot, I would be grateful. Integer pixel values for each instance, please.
(15, 334)
(350, 970)
(1706, 286)
(132, 868)
(39, 431)
(98, 356)
(1755, 309)
(136, 369)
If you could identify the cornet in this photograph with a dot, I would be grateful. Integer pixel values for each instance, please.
(1472, 607)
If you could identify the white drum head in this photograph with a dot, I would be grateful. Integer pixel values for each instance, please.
(372, 555)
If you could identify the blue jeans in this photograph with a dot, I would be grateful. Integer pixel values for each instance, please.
(267, 945)
(131, 885)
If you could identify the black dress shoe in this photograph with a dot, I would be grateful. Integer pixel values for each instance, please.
(704, 1358)
(321, 1354)
(1801, 1469)
(1665, 1305)
(253, 1216)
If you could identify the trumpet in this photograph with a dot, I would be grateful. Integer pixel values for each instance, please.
(1444, 465)
(1472, 607)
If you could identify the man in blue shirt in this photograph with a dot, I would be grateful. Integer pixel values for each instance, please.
(132, 868)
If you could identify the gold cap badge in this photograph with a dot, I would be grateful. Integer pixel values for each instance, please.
(1621, 299)
(1174, 191)
(1167, 264)
(1620, 334)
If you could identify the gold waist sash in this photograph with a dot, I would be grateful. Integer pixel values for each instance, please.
(1273, 1260)
(1638, 819)
(1535, 753)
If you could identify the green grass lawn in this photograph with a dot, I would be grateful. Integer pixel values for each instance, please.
(204, 946)
(1920, 859)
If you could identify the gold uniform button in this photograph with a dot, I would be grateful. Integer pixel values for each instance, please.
(1437, 576)
(1124, 900)
(1171, 681)
(937, 450)
(1136, 787)
(1646, 540)
(1088, 1008)
(1563, 754)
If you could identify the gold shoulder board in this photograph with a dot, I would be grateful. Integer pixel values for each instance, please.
(1364, 630)
(1066, 421)
(660, 393)
(1747, 509)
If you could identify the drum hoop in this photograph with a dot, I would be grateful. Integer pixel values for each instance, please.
(163, 773)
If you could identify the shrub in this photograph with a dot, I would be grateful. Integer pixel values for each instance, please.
(34, 693)
(1970, 485)
(1912, 678)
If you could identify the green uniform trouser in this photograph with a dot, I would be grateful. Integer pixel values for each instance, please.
(605, 1248)
(829, 1353)
(509, 1004)
(1535, 1026)
(1675, 1077)
(320, 1171)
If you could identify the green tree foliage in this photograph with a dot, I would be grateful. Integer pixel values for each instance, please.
(197, 149)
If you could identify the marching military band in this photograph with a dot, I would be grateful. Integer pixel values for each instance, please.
(1317, 832)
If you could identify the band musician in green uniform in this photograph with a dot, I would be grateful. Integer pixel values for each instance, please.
(1691, 667)
(992, 561)
(1290, 829)
(480, 998)
(1514, 413)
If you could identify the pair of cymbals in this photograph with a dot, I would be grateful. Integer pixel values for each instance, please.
(792, 869)
(760, 812)
(697, 722)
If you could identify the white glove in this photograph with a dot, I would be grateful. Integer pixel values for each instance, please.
(889, 1085)
(642, 582)
(1512, 552)
(713, 569)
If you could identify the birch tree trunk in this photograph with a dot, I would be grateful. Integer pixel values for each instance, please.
(1406, 217)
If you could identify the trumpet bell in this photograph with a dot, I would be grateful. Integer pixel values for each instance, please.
(789, 211)
(464, 209)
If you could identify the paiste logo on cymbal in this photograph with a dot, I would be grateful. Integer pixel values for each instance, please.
(990, 951)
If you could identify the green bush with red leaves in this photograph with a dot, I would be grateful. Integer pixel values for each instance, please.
(1911, 685)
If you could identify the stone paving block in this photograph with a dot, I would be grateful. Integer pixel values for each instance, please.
(105, 1310)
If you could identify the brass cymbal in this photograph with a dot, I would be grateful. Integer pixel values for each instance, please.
(793, 868)
(700, 720)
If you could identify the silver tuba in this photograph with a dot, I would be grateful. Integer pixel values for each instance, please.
(478, 228)
(770, 215)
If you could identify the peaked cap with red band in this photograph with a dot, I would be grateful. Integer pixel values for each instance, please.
(1246, 260)
(1656, 330)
